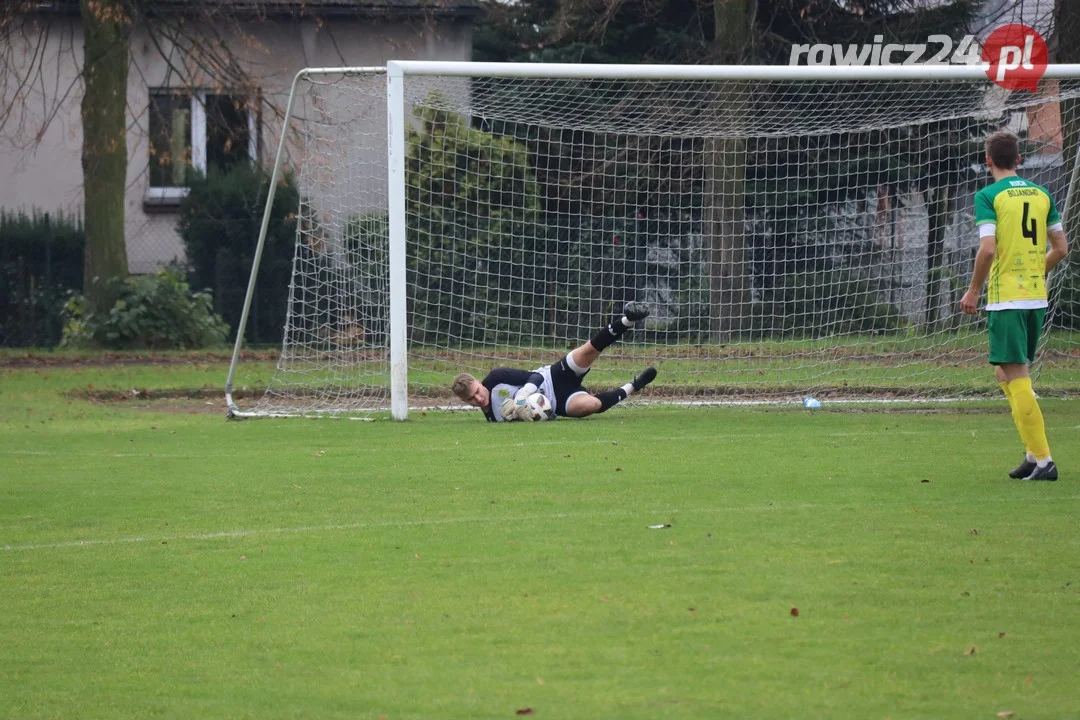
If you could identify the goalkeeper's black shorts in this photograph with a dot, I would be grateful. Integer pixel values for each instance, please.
(565, 383)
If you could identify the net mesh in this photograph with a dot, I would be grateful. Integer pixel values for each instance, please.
(335, 352)
(791, 238)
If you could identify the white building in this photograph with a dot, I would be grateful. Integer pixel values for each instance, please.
(181, 104)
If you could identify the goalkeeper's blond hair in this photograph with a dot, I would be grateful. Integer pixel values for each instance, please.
(462, 384)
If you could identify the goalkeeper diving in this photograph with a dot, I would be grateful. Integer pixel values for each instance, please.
(502, 394)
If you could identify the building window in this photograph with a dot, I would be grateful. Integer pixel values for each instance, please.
(196, 131)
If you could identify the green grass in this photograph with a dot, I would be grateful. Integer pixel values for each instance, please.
(157, 561)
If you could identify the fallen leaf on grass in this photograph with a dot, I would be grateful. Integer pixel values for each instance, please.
(971, 651)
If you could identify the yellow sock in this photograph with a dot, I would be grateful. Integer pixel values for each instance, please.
(1015, 417)
(1029, 417)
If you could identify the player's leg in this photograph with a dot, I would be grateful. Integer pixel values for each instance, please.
(1028, 463)
(571, 399)
(1013, 339)
(582, 358)
(582, 403)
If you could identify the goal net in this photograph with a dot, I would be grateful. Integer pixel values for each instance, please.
(793, 237)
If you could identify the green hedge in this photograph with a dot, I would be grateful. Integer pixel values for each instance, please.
(152, 312)
(471, 234)
(822, 304)
(219, 224)
(41, 264)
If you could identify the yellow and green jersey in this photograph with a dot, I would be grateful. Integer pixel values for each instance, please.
(1021, 213)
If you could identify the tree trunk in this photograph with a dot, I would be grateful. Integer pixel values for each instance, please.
(725, 192)
(939, 206)
(729, 291)
(733, 21)
(107, 29)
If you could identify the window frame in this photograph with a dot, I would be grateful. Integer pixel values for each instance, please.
(171, 195)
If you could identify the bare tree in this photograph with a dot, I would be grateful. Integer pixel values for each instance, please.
(107, 25)
(202, 43)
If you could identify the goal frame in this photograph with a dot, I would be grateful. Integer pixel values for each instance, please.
(398, 71)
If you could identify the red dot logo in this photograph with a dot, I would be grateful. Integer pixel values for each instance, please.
(1017, 56)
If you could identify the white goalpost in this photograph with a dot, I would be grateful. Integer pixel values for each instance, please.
(795, 230)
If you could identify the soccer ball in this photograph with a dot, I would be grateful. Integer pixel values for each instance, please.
(539, 407)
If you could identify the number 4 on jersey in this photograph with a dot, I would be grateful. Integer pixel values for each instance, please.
(1032, 232)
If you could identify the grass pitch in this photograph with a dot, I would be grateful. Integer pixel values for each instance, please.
(156, 561)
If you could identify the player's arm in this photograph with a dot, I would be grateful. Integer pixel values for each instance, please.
(986, 222)
(1058, 248)
(507, 376)
(519, 409)
(511, 408)
(531, 385)
(984, 259)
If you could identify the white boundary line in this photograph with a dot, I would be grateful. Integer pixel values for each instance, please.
(644, 402)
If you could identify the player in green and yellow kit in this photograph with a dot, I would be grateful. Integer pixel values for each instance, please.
(1017, 221)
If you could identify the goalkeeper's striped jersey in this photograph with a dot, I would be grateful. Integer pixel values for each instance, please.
(1021, 213)
(503, 383)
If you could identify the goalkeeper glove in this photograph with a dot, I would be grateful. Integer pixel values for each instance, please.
(520, 409)
(512, 409)
(525, 391)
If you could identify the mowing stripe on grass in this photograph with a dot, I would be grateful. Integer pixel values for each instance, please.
(517, 442)
(645, 515)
